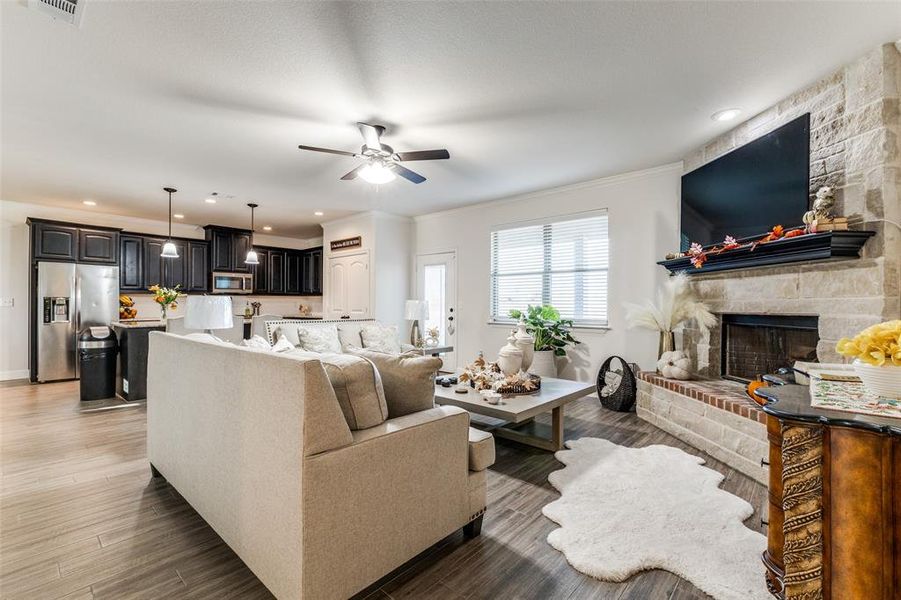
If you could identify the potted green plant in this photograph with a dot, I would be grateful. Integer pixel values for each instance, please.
(552, 336)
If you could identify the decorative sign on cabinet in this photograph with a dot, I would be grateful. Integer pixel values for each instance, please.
(347, 243)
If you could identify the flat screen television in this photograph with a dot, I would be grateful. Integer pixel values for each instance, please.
(749, 190)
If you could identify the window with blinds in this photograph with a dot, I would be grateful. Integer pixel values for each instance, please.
(562, 262)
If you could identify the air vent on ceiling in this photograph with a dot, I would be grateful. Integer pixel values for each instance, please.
(64, 10)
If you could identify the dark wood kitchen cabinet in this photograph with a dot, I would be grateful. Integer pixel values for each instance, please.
(312, 272)
(293, 272)
(276, 271)
(261, 272)
(141, 264)
(153, 274)
(198, 275)
(52, 240)
(228, 249)
(98, 246)
(131, 262)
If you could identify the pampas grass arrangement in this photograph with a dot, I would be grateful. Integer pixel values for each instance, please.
(676, 304)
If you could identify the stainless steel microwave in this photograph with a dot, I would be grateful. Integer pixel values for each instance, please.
(232, 283)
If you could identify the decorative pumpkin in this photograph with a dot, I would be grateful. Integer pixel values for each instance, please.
(675, 365)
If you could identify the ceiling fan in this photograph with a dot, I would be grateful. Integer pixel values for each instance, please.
(382, 162)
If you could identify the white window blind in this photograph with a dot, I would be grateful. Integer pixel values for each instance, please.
(561, 262)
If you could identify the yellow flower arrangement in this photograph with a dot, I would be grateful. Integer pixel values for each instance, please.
(877, 345)
(165, 297)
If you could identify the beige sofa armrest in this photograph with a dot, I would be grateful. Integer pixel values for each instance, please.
(405, 480)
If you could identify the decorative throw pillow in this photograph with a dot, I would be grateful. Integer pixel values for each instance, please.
(287, 330)
(408, 380)
(349, 336)
(322, 339)
(380, 338)
(358, 388)
(282, 345)
(256, 342)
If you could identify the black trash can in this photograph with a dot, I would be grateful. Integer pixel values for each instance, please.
(97, 351)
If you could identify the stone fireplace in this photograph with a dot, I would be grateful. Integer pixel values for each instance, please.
(770, 315)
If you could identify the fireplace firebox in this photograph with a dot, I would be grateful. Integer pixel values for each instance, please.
(754, 345)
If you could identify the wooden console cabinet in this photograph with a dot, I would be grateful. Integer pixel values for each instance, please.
(834, 501)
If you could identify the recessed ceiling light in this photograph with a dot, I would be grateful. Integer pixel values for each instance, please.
(211, 199)
(318, 213)
(726, 115)
(89, 203)
(178, 216)
(267, 228)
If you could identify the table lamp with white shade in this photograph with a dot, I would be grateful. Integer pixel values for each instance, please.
(413, 311)
(209, 313)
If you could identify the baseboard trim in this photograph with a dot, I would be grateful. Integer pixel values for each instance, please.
(9, 375)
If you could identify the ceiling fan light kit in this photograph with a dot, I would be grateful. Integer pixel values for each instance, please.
(382, 162)
(377, 173)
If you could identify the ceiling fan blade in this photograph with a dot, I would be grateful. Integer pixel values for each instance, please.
(423, 155)
(353, 174)
(371, 135)
(327, 150)
(408, 174)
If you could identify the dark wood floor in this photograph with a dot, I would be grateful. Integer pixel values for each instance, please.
(80, 517)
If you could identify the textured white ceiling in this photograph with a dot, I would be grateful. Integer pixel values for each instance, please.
(216, 96)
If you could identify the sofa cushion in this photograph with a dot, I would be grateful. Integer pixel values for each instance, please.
(358, 388)
(481, 449)
(381, 338)
(408, 380)
(322, 338)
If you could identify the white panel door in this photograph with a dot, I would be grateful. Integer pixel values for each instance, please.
(348, 286)
(337, 288)
(358, 297)
(436, 283)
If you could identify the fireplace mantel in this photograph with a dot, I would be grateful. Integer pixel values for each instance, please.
(811, 247)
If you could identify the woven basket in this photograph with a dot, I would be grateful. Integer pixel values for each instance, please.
(622, 397)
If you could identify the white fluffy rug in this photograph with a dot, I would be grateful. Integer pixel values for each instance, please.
(623, 510)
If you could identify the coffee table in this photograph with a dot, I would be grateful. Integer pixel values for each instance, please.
(520, 409)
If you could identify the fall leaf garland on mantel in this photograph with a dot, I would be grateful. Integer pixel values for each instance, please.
(698, 254)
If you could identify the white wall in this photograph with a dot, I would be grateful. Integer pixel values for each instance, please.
(388, 239)
(643, 210)
(14, 271)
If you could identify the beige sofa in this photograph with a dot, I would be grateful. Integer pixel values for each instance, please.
(256, 442)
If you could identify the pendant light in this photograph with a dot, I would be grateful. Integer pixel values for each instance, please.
(169, 249)
(251, 253)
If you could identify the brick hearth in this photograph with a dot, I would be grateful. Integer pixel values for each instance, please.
(715, 416)
(721, 393)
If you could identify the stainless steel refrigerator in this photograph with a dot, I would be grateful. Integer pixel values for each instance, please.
(70, 297)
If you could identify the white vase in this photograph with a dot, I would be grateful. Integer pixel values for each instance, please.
(526, 343)
(544, 363)
(509, 359)
(883, 381)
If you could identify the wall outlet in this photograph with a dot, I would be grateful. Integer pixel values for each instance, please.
(7, 302)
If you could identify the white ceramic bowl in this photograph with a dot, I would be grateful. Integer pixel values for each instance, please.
(883, 381)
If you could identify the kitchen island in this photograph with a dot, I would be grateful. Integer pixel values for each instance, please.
(131, 371)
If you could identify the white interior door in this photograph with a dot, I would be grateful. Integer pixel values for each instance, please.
(358, 297)
(436, 281)
(348, 286)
